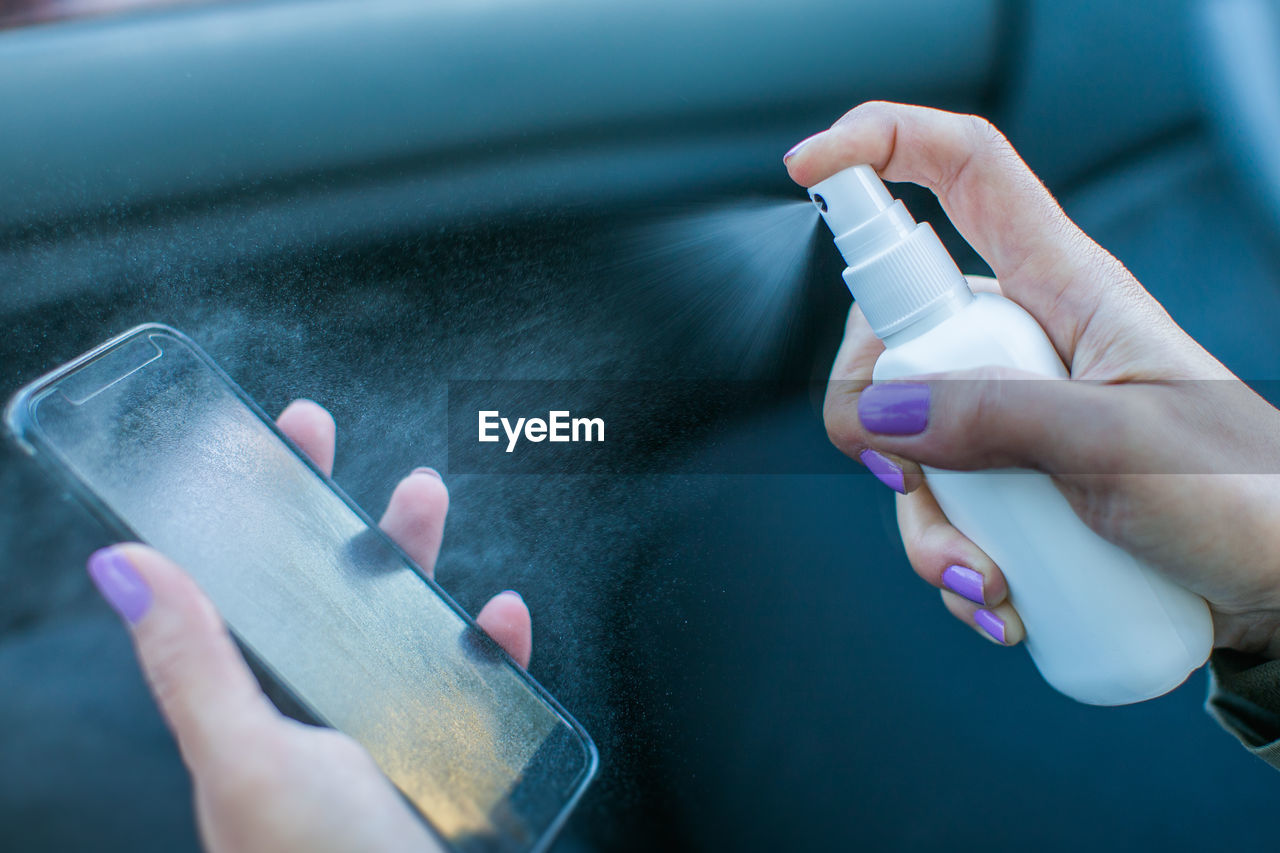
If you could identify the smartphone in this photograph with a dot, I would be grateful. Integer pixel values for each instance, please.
(166, 449)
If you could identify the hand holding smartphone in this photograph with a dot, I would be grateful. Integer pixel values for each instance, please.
(166, 449)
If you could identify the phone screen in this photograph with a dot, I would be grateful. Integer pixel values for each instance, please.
(163, 444)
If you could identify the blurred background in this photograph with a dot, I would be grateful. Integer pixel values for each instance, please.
(361, 201)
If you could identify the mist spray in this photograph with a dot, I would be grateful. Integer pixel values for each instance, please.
(1102, 627)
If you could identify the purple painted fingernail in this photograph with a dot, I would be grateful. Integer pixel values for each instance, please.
(885, 469)
(794, 148)
(120, 584)
(990, 623)
(895, 408)
(425, 470)
(963, 580)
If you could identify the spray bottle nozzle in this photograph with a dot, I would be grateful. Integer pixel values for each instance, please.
(897, 269)
(851, 198)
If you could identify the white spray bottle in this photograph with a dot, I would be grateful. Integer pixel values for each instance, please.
(1102, 627)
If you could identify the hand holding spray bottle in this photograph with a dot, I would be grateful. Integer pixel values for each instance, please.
(1102, 627)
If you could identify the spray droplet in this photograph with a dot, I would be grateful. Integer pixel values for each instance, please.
(727, 279)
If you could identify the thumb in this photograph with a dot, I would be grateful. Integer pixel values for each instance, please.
(1002, 418)
(205, 690)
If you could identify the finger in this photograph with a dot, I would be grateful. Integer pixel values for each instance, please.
(1045, 262)
(1000, 624)
(415, 516)
(850, 374)
(310, 426)
(1000, 418)
(943, 556)
(205, 690)
(506, 619)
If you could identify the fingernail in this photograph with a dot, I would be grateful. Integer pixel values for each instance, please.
(963, 580)
(794, 148)
(120, 584)
(885, 469)
(895, 408)
(425, 470)
(990, 623)
(512, 592)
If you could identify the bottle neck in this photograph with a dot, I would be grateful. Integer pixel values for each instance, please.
(949, 306)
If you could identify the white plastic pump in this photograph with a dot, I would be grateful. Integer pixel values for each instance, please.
(1102, 627)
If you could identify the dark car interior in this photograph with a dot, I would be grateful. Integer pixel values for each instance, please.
(359, 202)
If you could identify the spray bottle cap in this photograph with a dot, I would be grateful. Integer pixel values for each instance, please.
(898, 271)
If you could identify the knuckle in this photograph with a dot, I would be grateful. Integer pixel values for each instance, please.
(873, 120)
(931, 545)
(984, 134)
(867, 110)
(840, 417)
(984, 141)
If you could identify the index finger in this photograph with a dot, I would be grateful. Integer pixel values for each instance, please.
(1043, 260)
